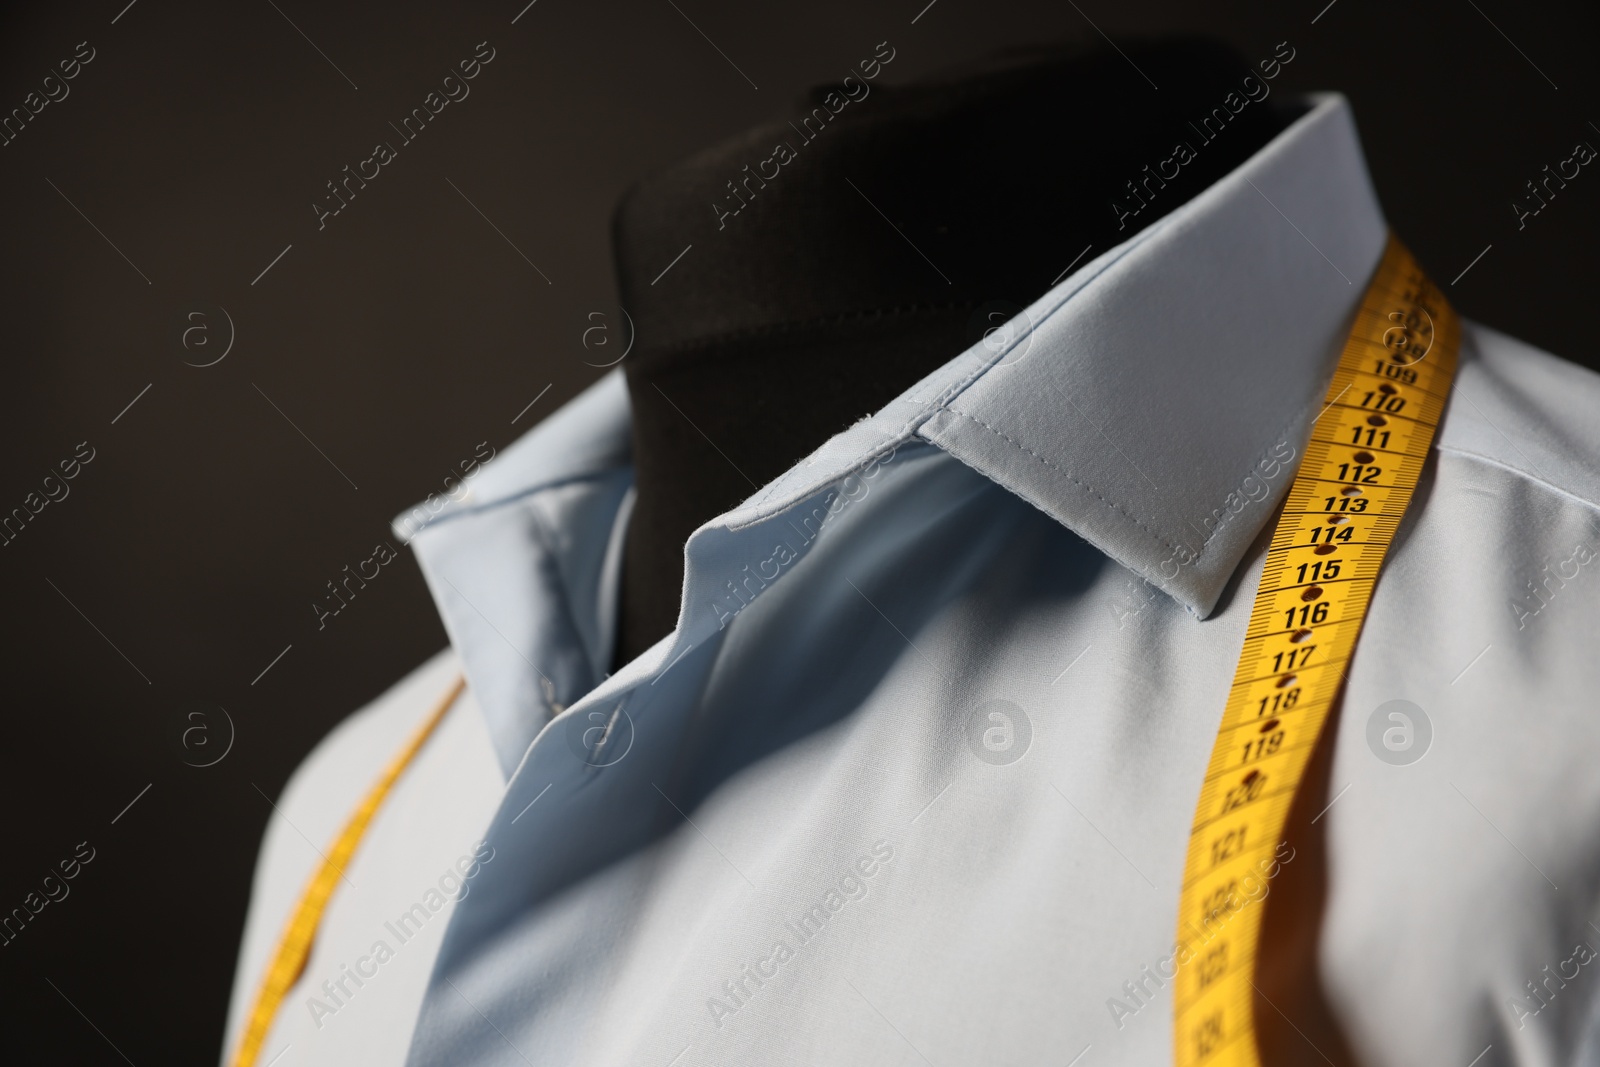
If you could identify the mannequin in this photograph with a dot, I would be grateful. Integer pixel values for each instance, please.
(800, 308)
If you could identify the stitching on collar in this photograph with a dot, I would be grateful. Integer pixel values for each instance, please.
(1063, 472)
(1230, 516)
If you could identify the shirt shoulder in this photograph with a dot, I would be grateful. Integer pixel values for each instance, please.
(315, 804)
(1527, 411)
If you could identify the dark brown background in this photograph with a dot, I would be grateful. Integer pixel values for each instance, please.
(409, 330)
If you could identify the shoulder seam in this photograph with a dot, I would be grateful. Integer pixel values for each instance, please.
(1535, 479)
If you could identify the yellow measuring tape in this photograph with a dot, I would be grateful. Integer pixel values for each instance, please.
(294, 944)
(1361, 465)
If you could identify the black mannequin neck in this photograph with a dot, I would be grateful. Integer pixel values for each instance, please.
(825, 280)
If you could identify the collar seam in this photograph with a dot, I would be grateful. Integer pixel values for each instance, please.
(1097, 494)
(1231, 515)
(944, 396)
(1532, 479)
(889, 443)
(947, 396)
(1207, 539)
(466, 510)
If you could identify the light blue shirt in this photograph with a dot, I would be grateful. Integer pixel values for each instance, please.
(912, 780)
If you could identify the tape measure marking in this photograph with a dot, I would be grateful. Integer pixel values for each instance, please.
(1357, 476)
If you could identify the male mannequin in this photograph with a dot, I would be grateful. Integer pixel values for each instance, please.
(852, 689)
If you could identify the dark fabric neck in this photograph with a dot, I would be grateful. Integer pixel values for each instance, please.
(822, 281)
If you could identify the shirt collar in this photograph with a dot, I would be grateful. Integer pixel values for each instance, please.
(1154, 402)
(523, 560)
